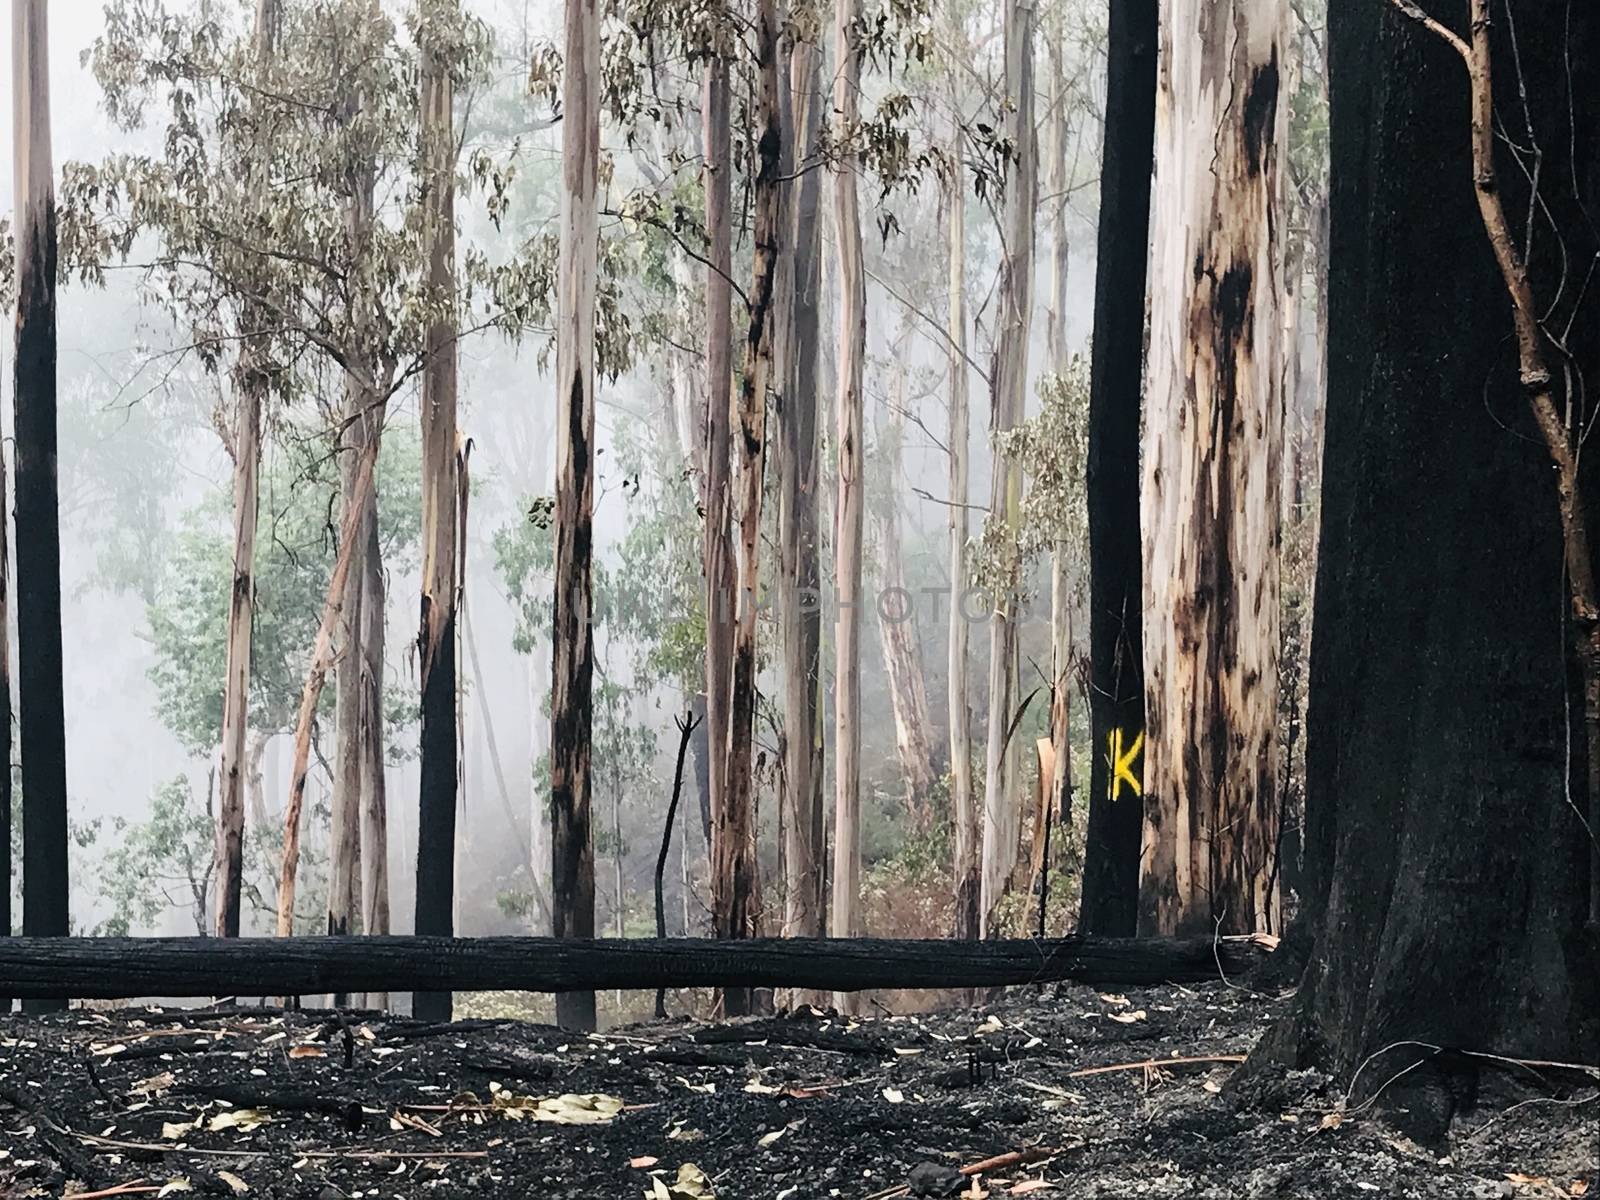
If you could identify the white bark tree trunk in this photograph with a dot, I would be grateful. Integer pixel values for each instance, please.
(850, 496)
(1002, 806)
(1211, 472)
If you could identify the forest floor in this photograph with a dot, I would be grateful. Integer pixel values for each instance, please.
(1075, 1093)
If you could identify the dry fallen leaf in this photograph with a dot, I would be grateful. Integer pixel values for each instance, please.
(173, 1130)
(153, 1085)
(1029, 1186)
(1127, 1018)
(179, 1184)
(242, 1119)
(643, 1161)
(1578, 1188)
(307, 1050)
(894, 1095)
(239, 1186)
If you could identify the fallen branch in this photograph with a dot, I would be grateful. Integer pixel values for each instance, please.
(1146, 1064)
(1000, 1162)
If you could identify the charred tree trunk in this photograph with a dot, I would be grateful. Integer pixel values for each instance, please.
(848, 509)
(41, 701)
(799, 607)
(1212, 473)
(1002, 816)
(572, 697)
(436, 634)
(1116, 570)
(1444, 724)
(963, 806)
(735, 879)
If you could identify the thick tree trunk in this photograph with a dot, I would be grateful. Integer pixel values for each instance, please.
(110, 968)
(436, 635)
(1116, 372)
(718, 562)
(1002, 816)
(41, 702)
(963, 806)
(799, 605)
(1212, 473)
(1444, 724)
(572, 705)
(374, 787)
(848, 509)
(735, 882)
(914, 734)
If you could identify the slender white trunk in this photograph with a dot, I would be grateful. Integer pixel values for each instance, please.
(1002, 811)
(1211, 472)
(850, 495)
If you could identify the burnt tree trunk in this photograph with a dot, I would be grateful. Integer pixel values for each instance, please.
(436, 636)
(1444, 721)
(572, 686)
(40, 698)
(1116, 569)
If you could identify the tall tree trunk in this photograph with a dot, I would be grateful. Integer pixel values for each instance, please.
(39, 683)
(1212, 474)
(1441, 569)
(963, 807)
(799, 606)
(436, 635)
(735, 879)
(374, 787)
(1002, 821)
(251, 384)
(849, 506)
(718, 563)
(572, 677)
(1116, 571)
(915, 737)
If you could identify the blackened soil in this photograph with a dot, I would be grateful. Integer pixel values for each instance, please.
(798, 1107)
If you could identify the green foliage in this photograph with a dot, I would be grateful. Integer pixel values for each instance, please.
(295, 549)
(162, 862)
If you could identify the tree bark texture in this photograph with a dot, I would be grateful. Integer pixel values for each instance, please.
(1444, 728)
(1212, 473)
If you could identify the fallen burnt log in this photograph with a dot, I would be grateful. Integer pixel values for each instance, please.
(120, 968)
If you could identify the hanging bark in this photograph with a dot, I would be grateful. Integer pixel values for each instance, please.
(734, 877)
(921, 758)
(851, 496)
(311, 690)
(968, 836)
(718, 563)
(1211, 477)
(1116, 570)
(436, 637)
(572, 677)
(1002, 820)
(251, 387)
(799, 607)
(39, 685)
(1421, 777)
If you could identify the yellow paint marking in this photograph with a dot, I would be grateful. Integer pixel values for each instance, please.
(1122, 763)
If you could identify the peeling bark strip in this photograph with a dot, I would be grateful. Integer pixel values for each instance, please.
(39, 684)
(735, 882)
(1116, 370)
(572, 675)
(799, 614)
(436, 637)
(851, 495)
(1211, 478)
(311, 691)
(1002, 815)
